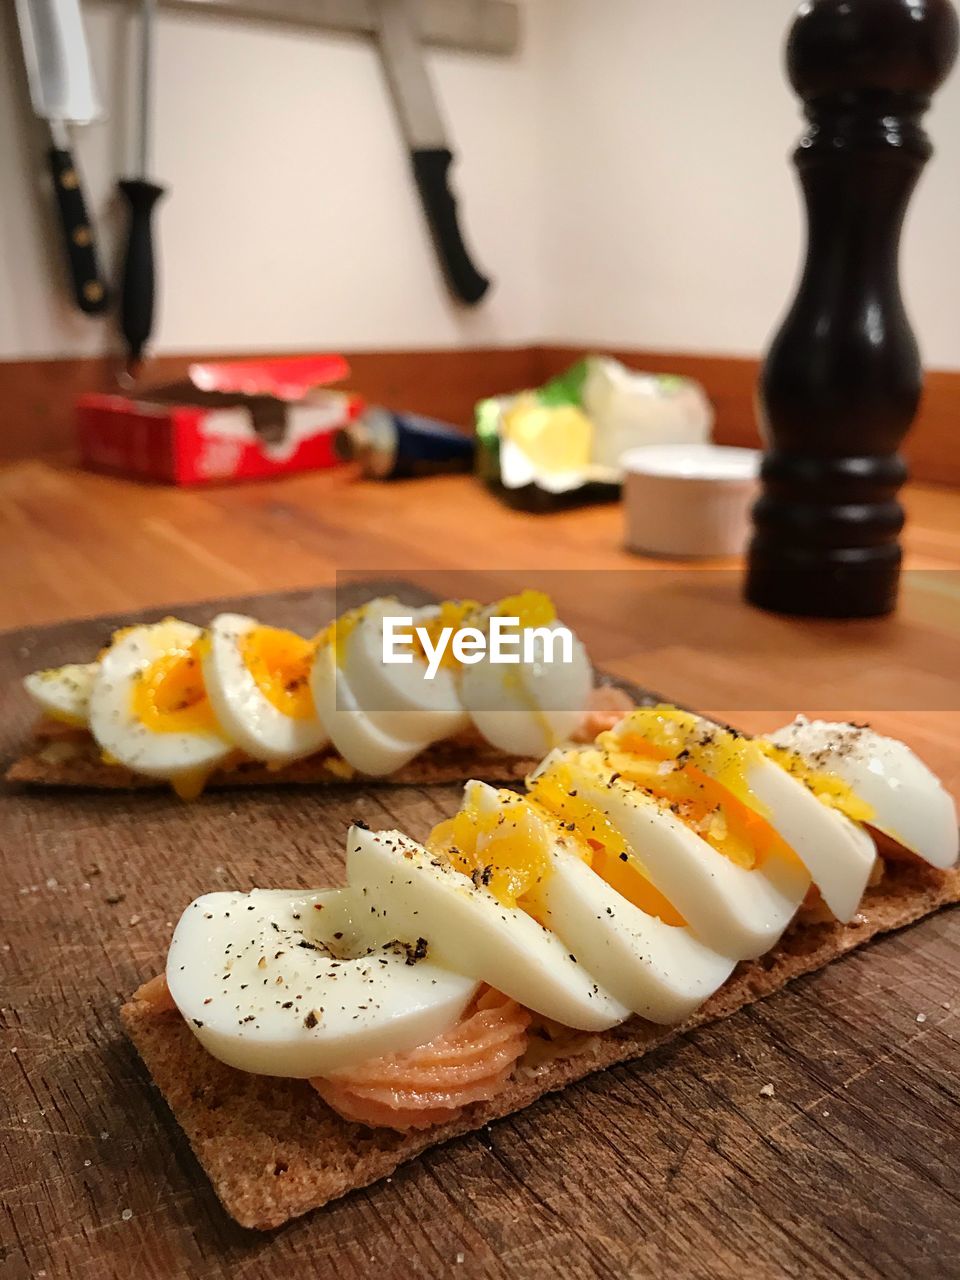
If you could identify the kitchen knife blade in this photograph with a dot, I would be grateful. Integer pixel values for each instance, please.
(62, 93)
(406, 72)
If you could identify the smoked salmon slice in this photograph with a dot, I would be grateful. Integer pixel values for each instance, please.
(434, 1082)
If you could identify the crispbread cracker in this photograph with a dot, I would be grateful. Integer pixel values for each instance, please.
(74, 760)
(62, 756)
(274, 1150)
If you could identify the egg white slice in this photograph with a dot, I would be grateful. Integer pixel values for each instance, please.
(909, 801)
(298, 984)
(659, 971)
(63, 693)
(246, 715)
(114, 723)
(362, 744)
(838, 854)
(397, 697)
(470, 932)
(527, 708)
(733, 910)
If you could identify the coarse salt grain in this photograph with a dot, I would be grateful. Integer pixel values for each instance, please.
(127, 1215)
(767, 1091)
(921, 1017)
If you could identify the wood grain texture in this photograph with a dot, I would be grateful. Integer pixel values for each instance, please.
(38, 395)
(73, 543)
(677, 1165)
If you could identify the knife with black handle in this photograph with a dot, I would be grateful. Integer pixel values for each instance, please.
(86, 279)
(138, 271)
(430, 155)
(62, 94)
(431, 167)
(139, 268)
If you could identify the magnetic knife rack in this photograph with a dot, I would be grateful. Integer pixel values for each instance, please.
(476, 26)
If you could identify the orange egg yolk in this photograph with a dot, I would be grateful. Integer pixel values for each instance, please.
(706, 807)
(701, 772)
(280, 663)
(829, 788)
(602, 846)
(450, 613)
(338, 633)
(497, 850)
(505, 851)
(531, 608)
(169, 694)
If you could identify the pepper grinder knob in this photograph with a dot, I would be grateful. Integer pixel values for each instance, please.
(841, 382)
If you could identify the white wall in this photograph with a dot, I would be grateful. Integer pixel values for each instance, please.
(673, 218)
(624, 178)
(292, 221)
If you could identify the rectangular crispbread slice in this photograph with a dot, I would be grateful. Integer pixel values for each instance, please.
(61, 756)
(274, 1150)
(74, 760)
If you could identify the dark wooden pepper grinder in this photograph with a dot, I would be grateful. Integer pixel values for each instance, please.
(841, 383)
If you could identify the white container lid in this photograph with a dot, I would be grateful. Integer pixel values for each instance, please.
(693, 462)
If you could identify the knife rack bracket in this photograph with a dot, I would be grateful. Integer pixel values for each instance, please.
(474, 26)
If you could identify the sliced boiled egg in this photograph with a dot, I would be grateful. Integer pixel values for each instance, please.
(258, 681)
(898, 794)
(761, 806)
(659, 970)
(469, 931)
(527, 708)
(355, 735)
(398, 697)
(149, 709)
(291, 983)
(735, 910)
(63, 693)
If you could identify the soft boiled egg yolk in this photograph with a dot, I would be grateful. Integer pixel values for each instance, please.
(701, 771)
(496, 849)
(532, 608)
(711, 752)
(339, 632)
(450, 613)
(169, 694)
(829, 788)
(601, 845)
(503, 849)
(280, 663)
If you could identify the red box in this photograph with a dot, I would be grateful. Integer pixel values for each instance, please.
(240, 420)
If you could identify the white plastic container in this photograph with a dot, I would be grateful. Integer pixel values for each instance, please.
(689, 499)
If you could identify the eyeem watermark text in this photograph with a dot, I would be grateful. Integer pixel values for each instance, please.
(504, 642)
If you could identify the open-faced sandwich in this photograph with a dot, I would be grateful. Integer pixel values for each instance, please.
(660, 877)
(240, 703)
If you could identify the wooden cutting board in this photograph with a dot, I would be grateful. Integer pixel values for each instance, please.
(676, 1166)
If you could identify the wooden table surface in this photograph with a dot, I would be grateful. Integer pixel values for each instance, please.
(676, 1166)
(75, 544)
